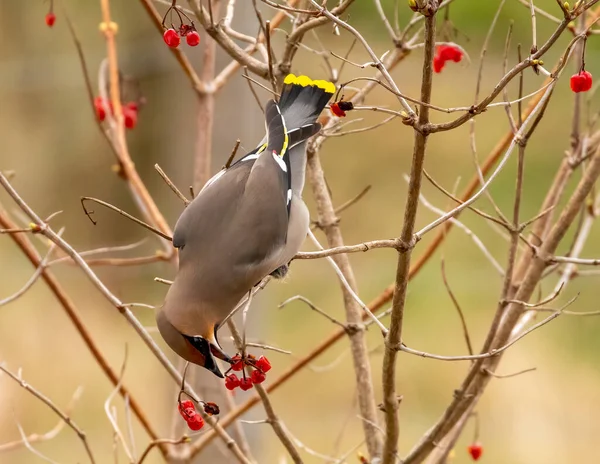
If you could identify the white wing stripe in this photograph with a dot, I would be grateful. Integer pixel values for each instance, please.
(280, 161)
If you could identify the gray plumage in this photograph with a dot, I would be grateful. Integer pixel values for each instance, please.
(248, 221)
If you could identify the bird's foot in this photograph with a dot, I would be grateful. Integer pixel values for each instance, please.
(280, 272)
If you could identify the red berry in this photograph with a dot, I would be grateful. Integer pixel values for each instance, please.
(581, 82)
(587, 76)
(335, 109)
(99, 107)
(263, 364)
(445, 53)
(475, 450)
(130, 116)
(236, 363)
(438, 64)
(246, 383)
(449, 52)
(171, 38)
(187, 409)
(192, 38)
(456, 54)
(576, 83)
(232, 382)
(50, 19)
(257, 376)
(186, 404)
(195, 422)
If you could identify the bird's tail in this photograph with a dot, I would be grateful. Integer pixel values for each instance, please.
(303, 99)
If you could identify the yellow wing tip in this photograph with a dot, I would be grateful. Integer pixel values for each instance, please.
(306, 81)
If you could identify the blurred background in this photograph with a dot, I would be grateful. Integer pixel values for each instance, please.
(50, 139)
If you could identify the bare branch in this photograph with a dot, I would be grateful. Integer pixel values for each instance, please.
(48, 402)
(314, 308)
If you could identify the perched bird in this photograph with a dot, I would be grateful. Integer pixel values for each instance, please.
(247, 222)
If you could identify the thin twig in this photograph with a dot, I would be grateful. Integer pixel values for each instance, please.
(33, 438)
(507, 376)
(161, 441)
(313, 307)
(171, 185)
(461, 315)
(48, 402)
(89, 213)
(38, 272)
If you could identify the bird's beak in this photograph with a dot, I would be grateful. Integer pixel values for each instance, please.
(215, 347)
(206, 350)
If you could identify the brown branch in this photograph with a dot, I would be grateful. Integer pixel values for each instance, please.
(205, 113)
(232, 155)
(394, 337)
(362, 369)
(127, 167)
(361, 247)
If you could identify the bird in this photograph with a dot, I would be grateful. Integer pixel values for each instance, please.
(248, 222)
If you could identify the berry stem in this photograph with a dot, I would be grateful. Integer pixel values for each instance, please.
(583, 55)
(475, 415)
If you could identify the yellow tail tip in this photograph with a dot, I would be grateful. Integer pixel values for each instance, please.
(306, 81)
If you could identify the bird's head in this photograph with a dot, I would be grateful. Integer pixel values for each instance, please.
(200, 349)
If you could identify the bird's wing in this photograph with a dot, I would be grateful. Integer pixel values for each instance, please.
(235, 228)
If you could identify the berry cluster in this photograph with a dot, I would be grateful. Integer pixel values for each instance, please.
(173, 38)
(261, 367)
(130, 111)
(191, 416)
(581, 82)
(339, 108)
(475, 450)
(445, 53)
